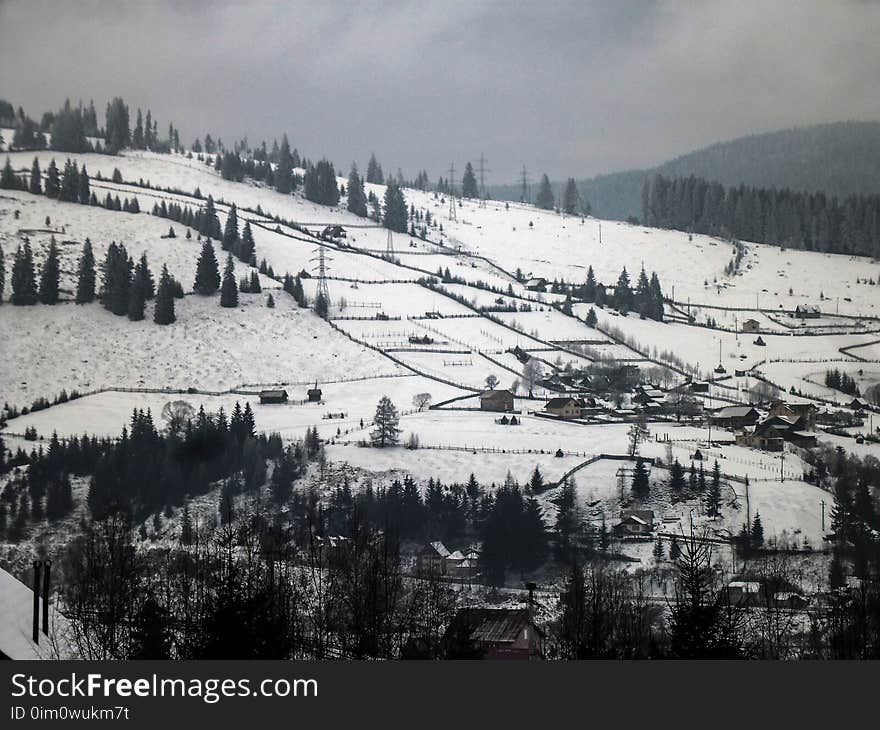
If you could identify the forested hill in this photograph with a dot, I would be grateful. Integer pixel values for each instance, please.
(838, 159)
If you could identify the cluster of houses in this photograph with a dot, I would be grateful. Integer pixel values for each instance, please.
(436, 559)
(786, 422)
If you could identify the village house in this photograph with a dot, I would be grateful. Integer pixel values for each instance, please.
(734, 417)
(806, 311)
(857, 404)
(635, 522)
(314, 394)
(751, 325)
(431, 559)
(500, 401)
(795, 411)
(333, 232)
(273, 396)
(773, 432)
(536, 284)
(493, 633)
(564, 407)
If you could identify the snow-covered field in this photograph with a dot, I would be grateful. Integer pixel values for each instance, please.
(47, 349)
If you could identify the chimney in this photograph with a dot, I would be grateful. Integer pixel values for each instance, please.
(38, 569)
(46, 565)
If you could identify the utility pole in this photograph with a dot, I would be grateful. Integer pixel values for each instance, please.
(483, 171)
(389, 245)
(453, 214)
(823, 516)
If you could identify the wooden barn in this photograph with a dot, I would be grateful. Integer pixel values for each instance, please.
(273, 396)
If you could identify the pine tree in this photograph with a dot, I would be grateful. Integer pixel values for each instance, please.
(84, 192)
(137, 136)
(164, 310)
(24, 284)
(658, 551)
(36, 186)
(284, 180)
(229, 291)
(357, 201)
(374, 172)
(53, 180)
(536, 481)
(640, 483)
(591, 320)
(623, 295)
(713, 497)
(85, 280)
(207, 279)
(469, 183)
(395, 211)
(590, 286)
(757, 531)
(386, 420)
(247, 250)
(544, 199)
(49, 275)
(571, 198)
(7, 176)
(137, 295)
(210, 223)
(230, 232)
(677, 481)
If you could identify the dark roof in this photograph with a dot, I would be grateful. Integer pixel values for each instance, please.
(735, 412)
(493, 625)
(273, 394)
(560, 402)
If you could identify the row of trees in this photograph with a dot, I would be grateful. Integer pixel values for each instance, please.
(646, 299)
(811, 221)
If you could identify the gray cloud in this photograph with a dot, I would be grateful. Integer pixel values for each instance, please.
(571, 88)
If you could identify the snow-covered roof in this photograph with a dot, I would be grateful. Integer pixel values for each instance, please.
(457, 555)
(746, 586)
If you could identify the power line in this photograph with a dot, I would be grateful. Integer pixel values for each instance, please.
(483, 171)
(453, 214)
(321, 260)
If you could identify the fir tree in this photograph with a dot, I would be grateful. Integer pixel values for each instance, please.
(53, 180)
(84, 193)
(571, 198)
(36, 186)
(374, 172)
(164, 310)
(640, 482)
(386, 420)
(85, 279)
(713, 497)
(207, 279)
(284, 180)
(544, 199)
(24, 284)
(757, 531)
(247, 250)
(7, 177)
(137, 296)
(395, 211)
(49, 275)
(229, 291)
(230, 232)
(469, 183)
(357, 201)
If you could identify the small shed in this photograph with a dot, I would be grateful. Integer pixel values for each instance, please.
(751, 325)
(500, 401)
(273, 396)
(314, 394)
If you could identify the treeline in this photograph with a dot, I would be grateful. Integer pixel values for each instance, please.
(841, 381)
(72, 185)
(780, 217)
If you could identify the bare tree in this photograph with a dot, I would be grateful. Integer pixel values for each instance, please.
(421, 400)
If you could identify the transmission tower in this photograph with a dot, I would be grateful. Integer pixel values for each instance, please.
(453, 213)
(525, 196)
(483, 171)
(389, 245)
(321, 260)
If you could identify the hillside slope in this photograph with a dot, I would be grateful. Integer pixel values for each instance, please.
(839, 159)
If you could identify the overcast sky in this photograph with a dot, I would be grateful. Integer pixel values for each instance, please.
(570, 88)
